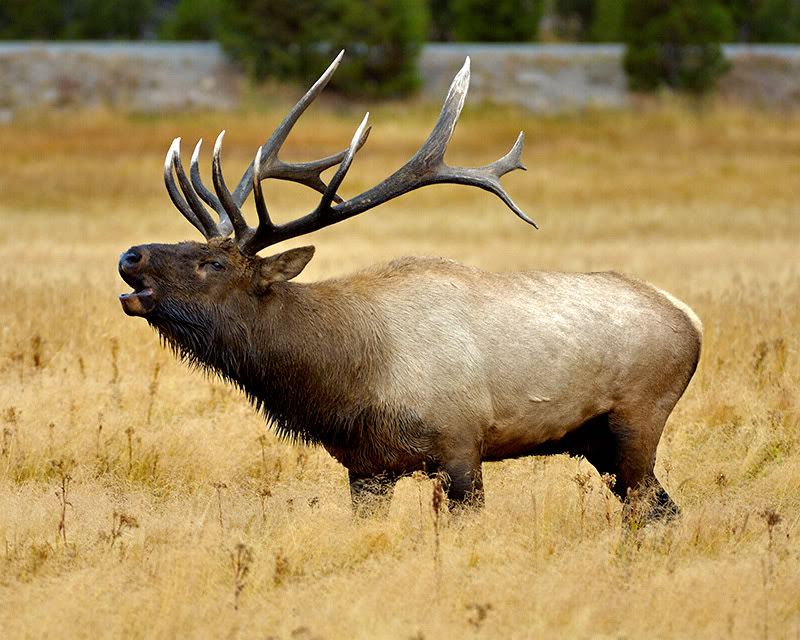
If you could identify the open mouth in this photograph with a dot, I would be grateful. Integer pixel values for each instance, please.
(139, 302)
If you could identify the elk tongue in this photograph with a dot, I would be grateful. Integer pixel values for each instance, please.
(138, 303)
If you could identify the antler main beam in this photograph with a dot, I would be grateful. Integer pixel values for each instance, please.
(425, 168)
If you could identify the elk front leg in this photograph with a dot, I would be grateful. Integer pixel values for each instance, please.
(371, 495)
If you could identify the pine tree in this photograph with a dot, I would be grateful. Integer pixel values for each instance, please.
(676, 43)
(496, 20)
(193, 20)
(74, 19)
(576, 17)
(765, 20)
(609, 16)
(297, 39)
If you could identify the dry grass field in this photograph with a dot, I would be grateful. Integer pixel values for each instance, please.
(139, 499)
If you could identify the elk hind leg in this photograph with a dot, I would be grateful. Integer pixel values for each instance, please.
(620, 444)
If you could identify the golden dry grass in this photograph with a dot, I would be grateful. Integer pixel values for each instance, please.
(181, 504)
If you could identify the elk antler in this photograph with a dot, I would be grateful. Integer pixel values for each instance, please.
(425, 168)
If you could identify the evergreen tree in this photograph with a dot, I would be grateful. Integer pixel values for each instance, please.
(30, 20)
(296, 39)
(496, 20)
(193, 20)
(765, 20)
(576, 17)
(676, 43)
(609, 16)
(74, 19)
(383, 39)
(441, 27)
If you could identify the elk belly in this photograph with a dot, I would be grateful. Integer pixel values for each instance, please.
(522, 428)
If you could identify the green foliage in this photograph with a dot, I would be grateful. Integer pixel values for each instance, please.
(297, 39)
(30, 19)
(74, 19)
(576, 17)
(105, 19)
(765, 20)
(609, 16)
(273, 38)
(193, 20)
(496, 20)
(675, 44)
(383, 38)
(753, 20)
(441, 26)
(590, 20)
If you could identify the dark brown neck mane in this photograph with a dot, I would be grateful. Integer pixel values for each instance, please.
(300, 363)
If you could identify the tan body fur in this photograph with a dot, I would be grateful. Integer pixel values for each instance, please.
(497, 364)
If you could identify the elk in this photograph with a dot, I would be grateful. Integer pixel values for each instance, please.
(421, 363)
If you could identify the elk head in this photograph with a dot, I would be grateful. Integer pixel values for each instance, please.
(174, 283)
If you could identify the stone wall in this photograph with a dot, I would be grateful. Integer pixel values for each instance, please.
(151, 76)
(554, 77)
(138, 76)
(539, 77)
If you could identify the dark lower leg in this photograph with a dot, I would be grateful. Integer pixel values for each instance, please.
(648, 502)
(616, 447)
(463, 483)
(371, 495)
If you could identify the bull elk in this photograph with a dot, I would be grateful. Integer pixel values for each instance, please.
(421, 363)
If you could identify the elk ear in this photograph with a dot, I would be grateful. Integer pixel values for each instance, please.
(281, 267)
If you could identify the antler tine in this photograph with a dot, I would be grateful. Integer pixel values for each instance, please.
(240, 228)
(477, 177)
(355, 144)
(264, 221)
(191, 197)
(192, 210)
(225, 224)
(432, 151)
(307, 173)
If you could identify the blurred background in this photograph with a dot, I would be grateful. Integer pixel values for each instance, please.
(541, 54)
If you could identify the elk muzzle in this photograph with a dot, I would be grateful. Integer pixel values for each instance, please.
(141, 300)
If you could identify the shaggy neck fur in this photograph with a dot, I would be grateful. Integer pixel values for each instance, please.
(304, 362)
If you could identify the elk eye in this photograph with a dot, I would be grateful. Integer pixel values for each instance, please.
(214, 265)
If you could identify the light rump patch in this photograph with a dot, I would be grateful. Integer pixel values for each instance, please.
(685, 308)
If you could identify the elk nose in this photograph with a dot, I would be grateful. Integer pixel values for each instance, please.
(129, 260)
